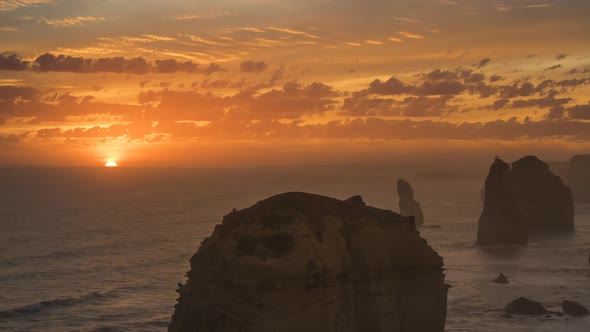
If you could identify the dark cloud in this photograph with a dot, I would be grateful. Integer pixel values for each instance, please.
(212, 69)
(13, 62)
(439, 74)
(49, 133)
(57, 107)
(133, 131)
(222, 84)
(453, 82)
(579, 71)
(548, 101)
(292, 101)
(556, 113)
(257, 112)
(372, 128)
(483, 62)
(496, 78)
(64, 63)
(560, 57)
(553, 67)
(13, 138)
(183, 105)
(579, 112)
(518, 89)
(500, 104)
(362, 104)
(429, 88)
(392, 86)
(427, 106)
(277, 75)
(253, 67)
(16, 93)
(173, 66)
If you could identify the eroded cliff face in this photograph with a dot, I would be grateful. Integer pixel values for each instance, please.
(579, 178)
(408, 205)
(526, 197)
(501, 222)
(302, 262)
(542, 197)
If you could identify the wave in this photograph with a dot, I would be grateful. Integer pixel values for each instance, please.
(34, 308)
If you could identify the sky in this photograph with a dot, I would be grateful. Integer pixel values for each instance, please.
(273, 82)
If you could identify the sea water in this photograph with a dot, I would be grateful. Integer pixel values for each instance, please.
(92, 249)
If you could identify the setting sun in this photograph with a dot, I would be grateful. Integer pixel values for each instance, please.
(111, 164)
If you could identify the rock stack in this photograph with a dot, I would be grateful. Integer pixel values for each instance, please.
(303, 262)
(542, 197)
(408, 205)
(501, 222)
(523, 198)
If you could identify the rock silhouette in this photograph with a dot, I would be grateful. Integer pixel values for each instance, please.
(574, 309)
(579, 177)
(356, 200)
(501, 222)
(408, 205)
(501, 279)
(303, 262)
(542, 197)
(524, 306)
(523, 198)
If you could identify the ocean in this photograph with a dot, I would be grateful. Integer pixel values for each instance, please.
(96, 249)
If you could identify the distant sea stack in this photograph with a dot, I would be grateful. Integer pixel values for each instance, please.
(579, 178)
(523, 198)
(408, 205)
(303, 262)
(545, 201)
(501, 222)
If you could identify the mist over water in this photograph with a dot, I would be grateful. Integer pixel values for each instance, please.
(93, 249)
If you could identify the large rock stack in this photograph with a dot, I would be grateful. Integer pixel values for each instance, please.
(543, 198)
(302, 262)
(523, 198)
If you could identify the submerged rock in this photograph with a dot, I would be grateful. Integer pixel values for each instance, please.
(524, 306)
(501, 279)
(303, 262)
(408, 205)
(501, 221)
(579, 178)
(545, 201)
(574, 308)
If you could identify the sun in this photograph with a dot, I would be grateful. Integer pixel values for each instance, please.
(111, 164)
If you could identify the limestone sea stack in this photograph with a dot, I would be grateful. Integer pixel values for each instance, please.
(501, 222)
(545, 201)
(408, 205)
(524, 198)
(303, 262)
(579, 178)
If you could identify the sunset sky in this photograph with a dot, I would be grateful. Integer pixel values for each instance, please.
(257, 82)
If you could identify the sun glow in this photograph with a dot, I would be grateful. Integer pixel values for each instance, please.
(111, 164)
